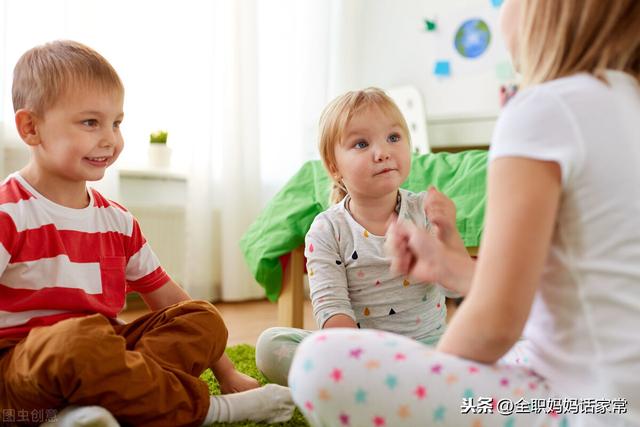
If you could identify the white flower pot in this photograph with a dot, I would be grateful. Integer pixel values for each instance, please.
(159, 156)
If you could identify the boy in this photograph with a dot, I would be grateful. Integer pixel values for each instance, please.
(67, 258)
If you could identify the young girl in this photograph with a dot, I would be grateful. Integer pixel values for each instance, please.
(364, 144)
(560, 253)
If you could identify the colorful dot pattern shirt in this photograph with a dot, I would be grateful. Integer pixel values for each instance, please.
(349, 273)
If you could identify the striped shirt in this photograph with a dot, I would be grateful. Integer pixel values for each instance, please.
(58, 262)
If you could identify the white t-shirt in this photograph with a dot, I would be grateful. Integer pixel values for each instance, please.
(584, 326)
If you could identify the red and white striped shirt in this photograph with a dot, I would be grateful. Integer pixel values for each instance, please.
(57, 262)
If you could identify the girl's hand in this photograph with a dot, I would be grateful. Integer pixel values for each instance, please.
(423, 254)
(397, 247)
(436, 262)
(441, 213)
(437, 255)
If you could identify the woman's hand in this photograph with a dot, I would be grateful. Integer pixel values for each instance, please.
(436, 255)
(418, 253)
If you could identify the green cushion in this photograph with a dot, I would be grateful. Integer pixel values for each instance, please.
(284, 222)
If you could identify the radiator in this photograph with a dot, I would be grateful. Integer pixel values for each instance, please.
(164, 227)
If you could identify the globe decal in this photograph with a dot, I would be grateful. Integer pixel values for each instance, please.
(472, 38)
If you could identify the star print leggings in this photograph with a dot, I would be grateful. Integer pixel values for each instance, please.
(367, 378)
(275, 349)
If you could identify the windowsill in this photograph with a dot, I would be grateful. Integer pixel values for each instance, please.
(147, 172)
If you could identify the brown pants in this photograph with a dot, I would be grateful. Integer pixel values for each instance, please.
(145, 373)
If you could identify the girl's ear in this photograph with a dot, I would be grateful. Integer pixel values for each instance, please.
(26, 124)
(333, 171)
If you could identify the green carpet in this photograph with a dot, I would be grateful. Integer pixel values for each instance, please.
(243, 356)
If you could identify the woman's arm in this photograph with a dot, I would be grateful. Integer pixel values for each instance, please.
(523, 197)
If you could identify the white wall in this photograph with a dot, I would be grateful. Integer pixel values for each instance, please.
(396, 50)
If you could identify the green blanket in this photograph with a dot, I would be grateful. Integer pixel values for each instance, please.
(283, 223)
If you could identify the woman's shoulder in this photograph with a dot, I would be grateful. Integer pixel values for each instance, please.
(535, 109)
(568, 93)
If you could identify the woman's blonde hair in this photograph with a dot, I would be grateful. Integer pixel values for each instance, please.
(45, 73)
(335, 119)
(563, 37)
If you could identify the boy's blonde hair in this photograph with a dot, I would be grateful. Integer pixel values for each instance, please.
(563, 37)
(44, 73)
(334, 121)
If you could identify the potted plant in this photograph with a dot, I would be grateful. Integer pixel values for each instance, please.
(159, 153)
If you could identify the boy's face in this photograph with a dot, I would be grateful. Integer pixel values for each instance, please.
(80, 135)
(374, 157)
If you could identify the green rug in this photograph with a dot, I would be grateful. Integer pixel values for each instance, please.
(243, 356)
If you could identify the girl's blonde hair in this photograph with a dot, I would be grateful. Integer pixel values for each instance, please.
(45, 73)
(563, 37)
(335, 119)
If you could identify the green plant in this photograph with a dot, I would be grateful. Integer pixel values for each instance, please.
(158, 137)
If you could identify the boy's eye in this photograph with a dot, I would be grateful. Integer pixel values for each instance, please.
(361, 144)
(116, 125)
(90, 122)
(394, 137)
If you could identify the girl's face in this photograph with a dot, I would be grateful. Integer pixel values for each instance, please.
(510, 25)
(374, 156)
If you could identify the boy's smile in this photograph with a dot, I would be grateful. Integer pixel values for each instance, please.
(80, 135)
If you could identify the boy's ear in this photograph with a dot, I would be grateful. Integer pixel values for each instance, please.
(26, 124)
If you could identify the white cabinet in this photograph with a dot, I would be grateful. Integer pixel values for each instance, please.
(158, 200)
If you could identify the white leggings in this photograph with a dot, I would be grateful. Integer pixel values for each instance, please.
(347, 377)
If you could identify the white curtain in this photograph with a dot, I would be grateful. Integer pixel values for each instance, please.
(239, 84)
(224, 175)
(277, 63)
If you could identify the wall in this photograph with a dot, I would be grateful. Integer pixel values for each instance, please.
(396, 50)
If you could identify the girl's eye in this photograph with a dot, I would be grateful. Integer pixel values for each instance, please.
(116, 125)
(90, 122)
(361, 144)
(394, 137)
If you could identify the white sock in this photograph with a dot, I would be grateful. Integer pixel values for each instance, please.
(83, 416)
(271, 403)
